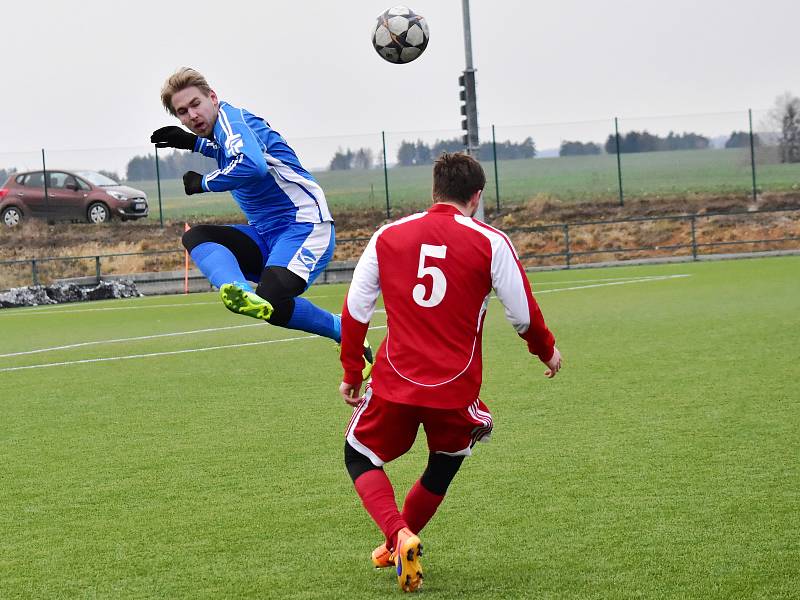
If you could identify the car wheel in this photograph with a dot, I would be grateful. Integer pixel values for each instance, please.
(12, 216)
(98, 213)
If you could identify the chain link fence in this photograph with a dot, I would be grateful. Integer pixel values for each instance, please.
(610, 160)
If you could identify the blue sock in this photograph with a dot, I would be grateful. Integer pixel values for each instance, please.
(311, 318)
(218, 264)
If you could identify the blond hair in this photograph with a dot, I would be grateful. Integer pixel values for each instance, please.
(180, 80)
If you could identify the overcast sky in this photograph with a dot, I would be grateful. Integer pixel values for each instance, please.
(80, 75)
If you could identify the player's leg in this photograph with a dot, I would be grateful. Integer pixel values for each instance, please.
(451, 435)
(300, 253)
(380, 431)
(226, 254)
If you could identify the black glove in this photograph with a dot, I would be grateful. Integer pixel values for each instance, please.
(173, 136)
(192, 183)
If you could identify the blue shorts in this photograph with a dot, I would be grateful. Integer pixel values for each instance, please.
(303, 248)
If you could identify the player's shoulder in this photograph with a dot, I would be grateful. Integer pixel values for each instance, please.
(481, 228)
(401, 223)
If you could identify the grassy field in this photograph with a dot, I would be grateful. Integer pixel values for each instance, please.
(165, 448)
(578, 178)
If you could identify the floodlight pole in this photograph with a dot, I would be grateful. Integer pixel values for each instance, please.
(470, 104)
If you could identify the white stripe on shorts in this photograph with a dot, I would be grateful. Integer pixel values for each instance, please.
(351, 438)
(317, 244)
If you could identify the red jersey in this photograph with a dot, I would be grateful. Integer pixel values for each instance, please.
(436, 271)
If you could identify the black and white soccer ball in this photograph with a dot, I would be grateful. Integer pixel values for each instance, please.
(400, 35)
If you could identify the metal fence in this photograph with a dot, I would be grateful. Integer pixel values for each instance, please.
(614, 159)
(563, 245)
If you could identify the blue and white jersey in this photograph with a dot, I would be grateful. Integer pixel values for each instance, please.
(261, 172)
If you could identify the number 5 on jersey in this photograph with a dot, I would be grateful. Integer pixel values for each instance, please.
(439, 282)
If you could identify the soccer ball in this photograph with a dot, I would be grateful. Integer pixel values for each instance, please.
(400, 35)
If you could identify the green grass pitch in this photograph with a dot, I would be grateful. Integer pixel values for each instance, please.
(662, 462)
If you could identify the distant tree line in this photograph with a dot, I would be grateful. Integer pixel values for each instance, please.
(786, 115)
(6, 173)
(635, 141)
(363, 158)
(420, 153)
(579, 149)
(171, 166)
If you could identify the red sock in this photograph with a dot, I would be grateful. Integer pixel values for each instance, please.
(377, 494)
(420, 506)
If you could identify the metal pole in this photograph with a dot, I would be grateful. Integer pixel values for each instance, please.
(34, 272)
(386, 177)
(752, 155)
(158, 183)
(471, 96)
(619, 162)
(97, 268)
(496, 180)
(694, 238)
(566, 243)
(46, 198)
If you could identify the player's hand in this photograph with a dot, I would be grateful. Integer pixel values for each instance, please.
(350, 393)
(173, 136)
(192, 183)
(554, 364)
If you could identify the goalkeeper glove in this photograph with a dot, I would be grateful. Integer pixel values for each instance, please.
(192, 183)
(172, 136)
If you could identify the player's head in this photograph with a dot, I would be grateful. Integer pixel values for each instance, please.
(458, 178)
(187, 95)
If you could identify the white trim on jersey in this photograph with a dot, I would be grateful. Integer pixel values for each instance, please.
(351, 438)
(297, 188)
(431, 385)
(506, 275)
(365, 286)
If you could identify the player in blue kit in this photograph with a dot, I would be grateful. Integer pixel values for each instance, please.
(289, 238)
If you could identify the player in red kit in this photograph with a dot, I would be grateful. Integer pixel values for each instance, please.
(436, 271)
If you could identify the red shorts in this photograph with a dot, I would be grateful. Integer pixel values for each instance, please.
(382, 430)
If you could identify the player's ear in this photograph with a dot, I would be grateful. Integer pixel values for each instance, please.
(214, 100)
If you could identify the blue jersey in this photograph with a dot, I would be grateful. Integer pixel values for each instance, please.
(261, 172)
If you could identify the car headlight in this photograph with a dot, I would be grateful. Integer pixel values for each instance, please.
(117, 195)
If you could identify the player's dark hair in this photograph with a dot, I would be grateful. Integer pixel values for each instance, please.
(456, 177)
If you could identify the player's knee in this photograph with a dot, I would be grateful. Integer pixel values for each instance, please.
(357, 464)
(439, 473)
(279, 286)
(195, 236)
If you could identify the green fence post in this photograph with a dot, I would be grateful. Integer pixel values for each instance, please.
(566, 243)
(619, 162)
(97, 268)
(46, 193)
(386, 177)
(34, 272)
(158, 183)
(496, 180)
(752, 154)
(694, 237)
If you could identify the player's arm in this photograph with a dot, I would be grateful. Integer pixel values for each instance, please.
(359, 306)
(244, 159)
(523, 312)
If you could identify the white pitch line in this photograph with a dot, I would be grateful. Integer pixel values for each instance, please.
(92, 360)
(170, 353)
(637, 277)
(597, 285)
(130, 339)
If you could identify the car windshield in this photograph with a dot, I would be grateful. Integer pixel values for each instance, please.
(96, 178)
